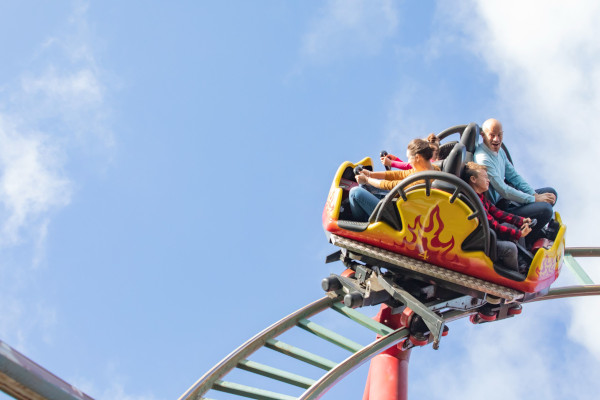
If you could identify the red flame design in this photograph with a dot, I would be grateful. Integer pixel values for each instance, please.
(426, 240)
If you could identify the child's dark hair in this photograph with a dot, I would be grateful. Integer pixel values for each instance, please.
(421, 147)
(434, 141)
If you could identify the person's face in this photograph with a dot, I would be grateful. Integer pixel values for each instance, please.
(493, 137)
(480, 181)
(409, 157)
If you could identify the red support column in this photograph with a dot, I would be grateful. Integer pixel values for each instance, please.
(388, 372)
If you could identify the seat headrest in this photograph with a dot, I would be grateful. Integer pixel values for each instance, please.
(470, 137)
(445, 149)
(455, 162)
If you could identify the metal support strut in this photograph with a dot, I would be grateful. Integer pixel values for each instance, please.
(388, 371)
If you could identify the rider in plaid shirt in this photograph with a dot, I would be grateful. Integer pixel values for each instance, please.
(494, 214)
(508, 227)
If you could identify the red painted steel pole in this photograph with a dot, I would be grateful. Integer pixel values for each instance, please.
(388, 371)
(388, 376)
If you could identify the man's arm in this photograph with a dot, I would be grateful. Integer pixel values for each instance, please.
(515, 179)
(497, 180)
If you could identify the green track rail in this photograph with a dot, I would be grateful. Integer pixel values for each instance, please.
(213, 381)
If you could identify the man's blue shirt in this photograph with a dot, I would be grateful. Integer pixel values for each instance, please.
(499, 169)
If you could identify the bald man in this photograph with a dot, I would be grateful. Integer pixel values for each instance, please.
(508, 190)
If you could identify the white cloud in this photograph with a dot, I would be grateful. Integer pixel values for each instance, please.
(585, 325)
(548, 65)
(31, 180)
(54, 110)
(349, 28)
(546, 58)
(547, 61)
(524, 357)
(55, 107)
(52, 113)
(80, 87)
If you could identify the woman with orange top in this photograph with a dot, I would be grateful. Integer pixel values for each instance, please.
(391, 160)
(362, 202)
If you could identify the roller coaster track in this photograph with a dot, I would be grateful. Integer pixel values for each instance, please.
(213, 381)
(23, 379)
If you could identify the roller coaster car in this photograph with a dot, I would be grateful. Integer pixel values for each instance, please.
(435, 219)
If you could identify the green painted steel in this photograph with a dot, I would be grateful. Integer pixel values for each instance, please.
(205, 382)
(329, 335)
(583, 251)
(249, 391)
(335, 371)
(353, 362)
(275, 373)
(569, 291)
(362, 319)
(583, 277)
(300, 354)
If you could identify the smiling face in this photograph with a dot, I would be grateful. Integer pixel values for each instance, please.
(492, 134)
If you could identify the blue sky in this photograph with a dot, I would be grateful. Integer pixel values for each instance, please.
(163, 169)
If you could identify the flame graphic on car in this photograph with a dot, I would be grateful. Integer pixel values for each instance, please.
(425, 238)
(546, 268)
